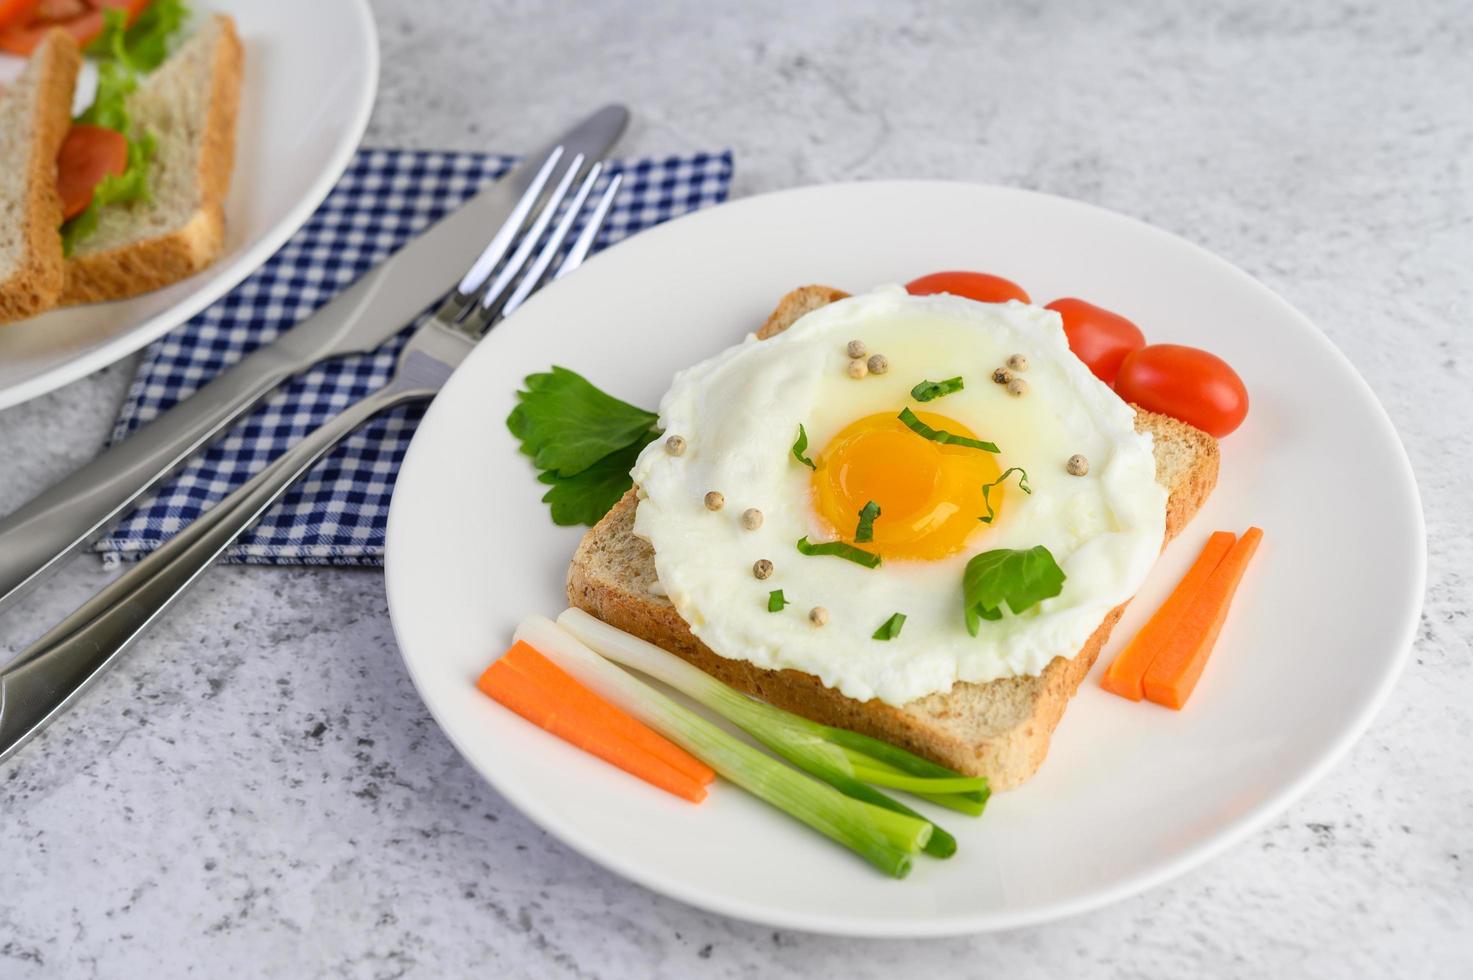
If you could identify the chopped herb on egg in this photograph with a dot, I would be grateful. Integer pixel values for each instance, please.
(987, 487)
(840, 549)
(928, 390)
(866, 529)
(776, 601)
(1022, 579)
(914, 424)
(800, 445)
(890, 628)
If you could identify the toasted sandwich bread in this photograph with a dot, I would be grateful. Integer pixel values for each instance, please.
(999, 729)
(189, 105)
(35, 114)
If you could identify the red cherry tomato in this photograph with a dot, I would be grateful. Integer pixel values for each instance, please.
(1097, 337)
(1186, 383)
(973, 285)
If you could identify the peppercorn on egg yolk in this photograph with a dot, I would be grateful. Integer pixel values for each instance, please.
(929, 493)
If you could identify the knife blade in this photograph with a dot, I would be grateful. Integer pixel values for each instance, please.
(37, 537)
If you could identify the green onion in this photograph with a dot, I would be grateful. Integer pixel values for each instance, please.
(1022, 485)
(866, 529)
(799, 445)
(928, 390)
(776, 601)
(914, 424)
(889, 630)
(835, 755)
(840, 549)
(883, 836)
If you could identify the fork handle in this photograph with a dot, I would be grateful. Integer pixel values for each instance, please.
(45, 678)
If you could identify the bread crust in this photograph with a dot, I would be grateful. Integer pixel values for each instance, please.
(1000, 729)
(152, 263)
(36, 282)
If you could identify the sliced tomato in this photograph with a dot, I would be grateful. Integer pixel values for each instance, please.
(1097, 337)
(85, 27)
(17, 12)
(979, 286)
(1186, 383)
(88, 154)
(58, 10)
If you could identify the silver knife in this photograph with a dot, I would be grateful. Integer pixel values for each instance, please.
(68, 516)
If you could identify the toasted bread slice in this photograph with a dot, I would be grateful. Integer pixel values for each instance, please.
(189, 105)
(999, 729)
(35, 113)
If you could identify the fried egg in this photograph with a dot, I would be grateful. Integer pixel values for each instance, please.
(739, 413)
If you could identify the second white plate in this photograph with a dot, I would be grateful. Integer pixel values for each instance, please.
(311, 72)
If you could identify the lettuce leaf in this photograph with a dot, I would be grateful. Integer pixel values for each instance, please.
(125, 188)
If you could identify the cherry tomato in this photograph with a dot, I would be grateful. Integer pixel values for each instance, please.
(88, 154)
(973, 285)
(1097, 337)
(1186, 383)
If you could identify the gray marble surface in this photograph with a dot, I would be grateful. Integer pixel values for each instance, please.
(258, 790)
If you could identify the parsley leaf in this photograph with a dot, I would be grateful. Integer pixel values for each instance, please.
(776, 601)
(840, 549)
(914, 424)
(890, 628)
(567, 425)
(587, 496)
(866, 529)
(1022, 579)
(1022, 485)
(799, 445)
(928, 390)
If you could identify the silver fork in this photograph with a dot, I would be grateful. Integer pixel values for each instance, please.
(44, 679)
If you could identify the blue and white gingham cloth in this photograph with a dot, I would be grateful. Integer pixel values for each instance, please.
(335, 514)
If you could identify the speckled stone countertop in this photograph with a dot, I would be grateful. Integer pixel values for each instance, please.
(257, 790)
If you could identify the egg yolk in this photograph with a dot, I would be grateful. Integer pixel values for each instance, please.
(929, 493)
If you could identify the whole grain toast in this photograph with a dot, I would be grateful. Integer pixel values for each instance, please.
(35, 113)
(1000, 729)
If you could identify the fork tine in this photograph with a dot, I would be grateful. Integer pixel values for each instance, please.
(496, 294)
(590, 231)
(464, 294)
(537, 271)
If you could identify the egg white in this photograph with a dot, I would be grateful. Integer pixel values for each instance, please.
(739, 413)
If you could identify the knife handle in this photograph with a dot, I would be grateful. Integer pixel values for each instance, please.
(74, 512)
(45, 679)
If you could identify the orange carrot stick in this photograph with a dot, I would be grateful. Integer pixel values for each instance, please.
(539, 706)
(569, 693)
(1125, 674)
(1173, 674)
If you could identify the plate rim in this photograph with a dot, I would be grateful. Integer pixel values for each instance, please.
(233, 274)
(961, 924)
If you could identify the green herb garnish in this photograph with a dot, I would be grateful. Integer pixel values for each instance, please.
(923, 430)
(890, 628)
(566, 424)
(927, 390)
(799, 445)
(584, 441)
(1022, 579)
(866, 529)
(1022, 485)
(840, 549)
(776, 601)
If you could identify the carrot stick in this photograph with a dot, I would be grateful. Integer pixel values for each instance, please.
(538, 705)
(1125, 674)
(568, 693)
(1173, 674)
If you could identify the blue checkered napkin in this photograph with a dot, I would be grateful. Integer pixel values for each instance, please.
(336, 513)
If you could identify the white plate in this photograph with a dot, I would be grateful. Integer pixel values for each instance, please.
(1131, 794)
(311, 71)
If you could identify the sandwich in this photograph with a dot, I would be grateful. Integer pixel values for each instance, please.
(983, 700)
(130, 197)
